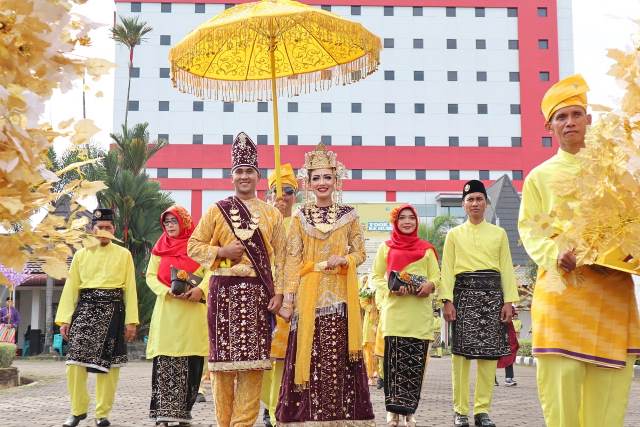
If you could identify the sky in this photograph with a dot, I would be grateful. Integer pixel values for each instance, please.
(597, 26)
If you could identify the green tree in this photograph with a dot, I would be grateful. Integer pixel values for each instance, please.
(436, 231)
(130, 33)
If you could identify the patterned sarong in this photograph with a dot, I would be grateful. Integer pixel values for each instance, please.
(404, 363)
(478, 332)
(174, 387)
(96, 336)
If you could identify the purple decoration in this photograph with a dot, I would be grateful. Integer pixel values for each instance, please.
(15, 278)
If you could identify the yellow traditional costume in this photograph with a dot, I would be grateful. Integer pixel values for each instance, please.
(324, 382)
(98, 299)
(478, 277)
(586, 335)
(240, 325)
(369, 327)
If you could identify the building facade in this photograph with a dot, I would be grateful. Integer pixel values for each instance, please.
(456, 97)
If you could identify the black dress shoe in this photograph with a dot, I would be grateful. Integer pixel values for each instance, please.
(200, 398)
(74, 420)
(483, 420)
(380, 384)
(102, 422)
(460, 420)
(266, 418)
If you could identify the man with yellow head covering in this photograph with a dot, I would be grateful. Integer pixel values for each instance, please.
(272, 379)
(586, 335)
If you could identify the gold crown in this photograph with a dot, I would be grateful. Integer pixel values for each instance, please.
(320, 158)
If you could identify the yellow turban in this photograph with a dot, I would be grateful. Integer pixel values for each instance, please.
(287, 177)
(568, 91)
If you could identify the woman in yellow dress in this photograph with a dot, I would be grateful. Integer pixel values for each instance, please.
(325, 381)
(369, 328)
(178, 332)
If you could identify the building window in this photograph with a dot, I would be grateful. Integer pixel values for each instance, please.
(512, 12)
(513, 44)
(326, 7)
(418, 108)
(163, 137)
(389, 108)
(228, 6)
(483, 109)
(165, 7)
(263, 107)
(356, 10)
(165, 40)
(452, 108)
(263, 139)
(544, 76)
(163, 105)
(164, 73)
(200, 8)
(543, 44)
(483, 141)
(390, 174)
(325, 107)
(388, 11)
(356, 107)
(451, 12)
(452, 44)
(517, 175)
(134, 105)
(421, 174)
(419, 141)
(516, 141)
(418, 43)
(484, 175)
(198, 106)
(356, 140)
(163, 173)
(292, 139)
(292, 107)
(514, 108)
(454, 175)
(418, 76)
(227, 107)
(417, 11)
(197, 139)
(356, 173)
(546, 141)
(226, 173)
(454, 141)
(196, 172)
(389, 75)
(480, 12)
(325, 139)
(136, 7)
(481, 76)
(542, 11)
(390, 141)
(134, 72)
(227, 139)
(452, 76)
(388, 43)
(481, 44)
(514, 76)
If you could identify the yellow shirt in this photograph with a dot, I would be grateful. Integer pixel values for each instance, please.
(213, 232)
(178, 327)
(406, 316)
(101, 267)
(472, 247)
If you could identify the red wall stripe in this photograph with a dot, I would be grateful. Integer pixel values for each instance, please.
(196, 204)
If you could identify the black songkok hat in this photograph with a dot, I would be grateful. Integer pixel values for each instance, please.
(473, 186)
(244, 153)
(102, 214)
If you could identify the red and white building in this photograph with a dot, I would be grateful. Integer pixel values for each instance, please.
(456, 97)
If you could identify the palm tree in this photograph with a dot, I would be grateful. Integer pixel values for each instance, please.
(133, 147)
(129, 33)
(437, 231)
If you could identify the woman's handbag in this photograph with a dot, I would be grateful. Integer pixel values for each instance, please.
(410, 281)
(182, 281)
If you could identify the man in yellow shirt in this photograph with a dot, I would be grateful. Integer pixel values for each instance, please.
(586, 336)
(98, 311)
(242, 240)
(478, 289)
(272, 379)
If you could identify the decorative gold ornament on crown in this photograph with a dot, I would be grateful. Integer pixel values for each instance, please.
(320, 158)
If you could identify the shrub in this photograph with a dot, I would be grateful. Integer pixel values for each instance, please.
(525, 348)
(7, 354)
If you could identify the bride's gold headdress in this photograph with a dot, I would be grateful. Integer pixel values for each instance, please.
(321, 158)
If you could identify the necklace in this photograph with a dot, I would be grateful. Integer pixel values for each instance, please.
(322, 223)
(243, 229)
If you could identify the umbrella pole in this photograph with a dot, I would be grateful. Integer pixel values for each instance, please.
(276, 128)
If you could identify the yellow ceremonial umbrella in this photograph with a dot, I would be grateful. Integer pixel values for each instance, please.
(270, 48)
